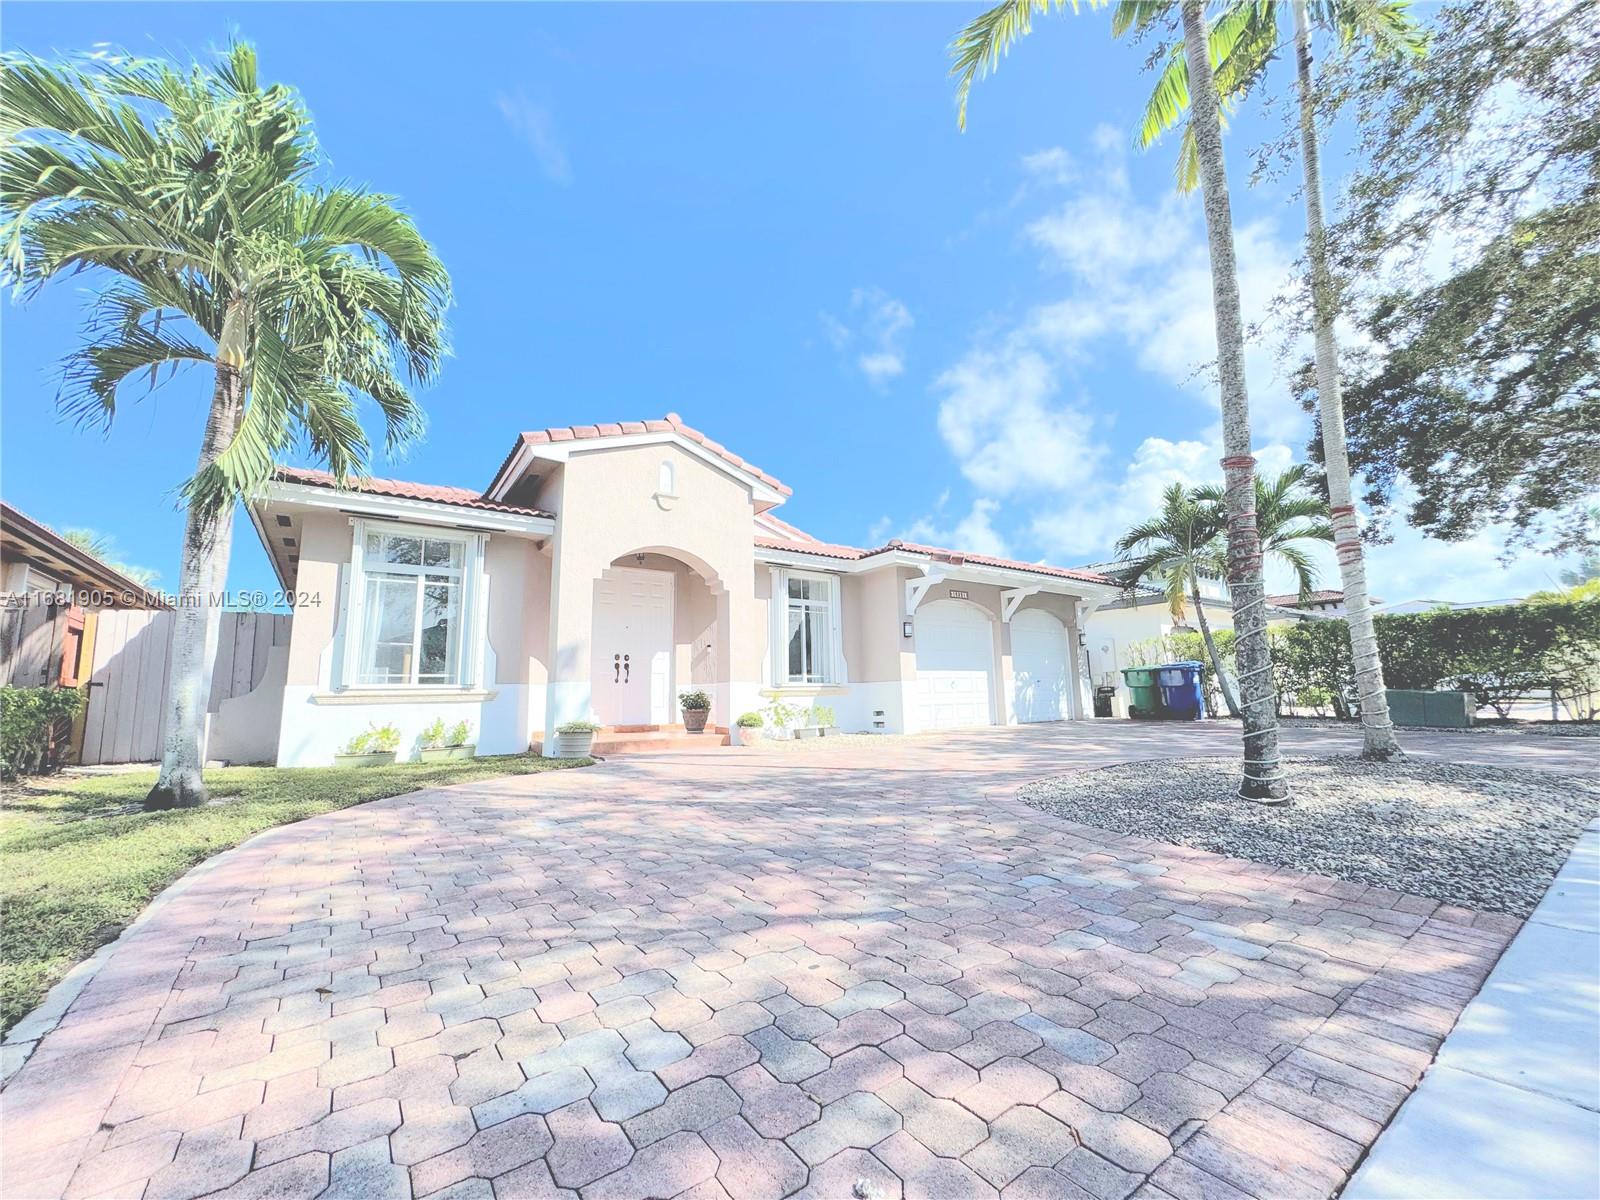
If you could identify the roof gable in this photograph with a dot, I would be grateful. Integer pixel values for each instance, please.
(671, 426)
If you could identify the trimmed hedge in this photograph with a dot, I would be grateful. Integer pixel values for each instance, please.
(1498, 654)
(34, 727)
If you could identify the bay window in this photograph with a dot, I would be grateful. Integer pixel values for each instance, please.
(412, 608)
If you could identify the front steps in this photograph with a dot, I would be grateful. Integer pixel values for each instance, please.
(650, 739)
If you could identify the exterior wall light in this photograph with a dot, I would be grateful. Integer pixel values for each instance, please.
(905, 629)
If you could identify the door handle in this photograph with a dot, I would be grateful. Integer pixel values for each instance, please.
(616, 668)
(626, 669)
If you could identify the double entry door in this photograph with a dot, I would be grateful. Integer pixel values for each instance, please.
(632, 647)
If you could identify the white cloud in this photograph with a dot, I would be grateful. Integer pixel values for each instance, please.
(1051, 166)
(534, 125)
(1002, 420)
(876, 333)
(1136, 289)
(974, 533)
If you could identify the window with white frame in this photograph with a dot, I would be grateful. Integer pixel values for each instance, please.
(412, 600)
(810, 654)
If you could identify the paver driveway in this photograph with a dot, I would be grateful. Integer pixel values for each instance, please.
(850, 971)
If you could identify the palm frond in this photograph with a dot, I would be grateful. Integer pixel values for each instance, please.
(977, 50)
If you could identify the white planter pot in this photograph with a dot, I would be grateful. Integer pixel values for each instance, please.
(807, 731)
(574, 745)
(748, 735)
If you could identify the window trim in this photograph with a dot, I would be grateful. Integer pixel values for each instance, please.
(778, 665)
(474, 594)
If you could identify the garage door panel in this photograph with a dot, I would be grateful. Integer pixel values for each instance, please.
(955, 665)
(1039, 666)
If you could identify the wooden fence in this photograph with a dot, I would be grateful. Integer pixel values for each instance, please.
(125, 718)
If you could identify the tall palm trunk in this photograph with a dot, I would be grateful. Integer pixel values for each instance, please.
(1263, 771)
(1223, 685)
(207, 539)
(1377, 732)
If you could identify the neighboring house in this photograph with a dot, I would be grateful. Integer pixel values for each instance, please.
(1326, 602)
(35, 559)
(1141, 614)
(1422, 606)
(607, 568)
(50, 591)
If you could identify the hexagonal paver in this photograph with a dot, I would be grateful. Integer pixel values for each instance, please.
(742, 973)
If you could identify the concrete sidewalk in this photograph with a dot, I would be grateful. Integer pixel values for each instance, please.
(1511, 1106)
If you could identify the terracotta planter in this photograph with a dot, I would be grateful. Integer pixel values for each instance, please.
(378, 758)
(574, 745)
(433, 754)
(694, 719)
(748, 735)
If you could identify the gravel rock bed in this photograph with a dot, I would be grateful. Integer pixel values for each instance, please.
(1481, 837)
(1515, 728)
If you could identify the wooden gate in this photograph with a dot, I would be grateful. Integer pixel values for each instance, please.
(126, 714)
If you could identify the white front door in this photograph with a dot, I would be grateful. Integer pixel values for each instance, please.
(1039, 666)
(955, 665)
(632, 647)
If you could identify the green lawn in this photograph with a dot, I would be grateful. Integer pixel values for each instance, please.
(77, 863)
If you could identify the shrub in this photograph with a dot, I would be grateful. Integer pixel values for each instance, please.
(35, 726)
(822, 716)
(781, 716)
(694, 702)
(378, 739)
(750, 720)
(578, 727)
(432, 736)
(460, 734)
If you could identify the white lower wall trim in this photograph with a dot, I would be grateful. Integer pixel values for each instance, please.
(857, 709)
(313, 733)
(571, 700)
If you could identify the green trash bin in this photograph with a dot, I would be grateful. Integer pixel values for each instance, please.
(1144, 692)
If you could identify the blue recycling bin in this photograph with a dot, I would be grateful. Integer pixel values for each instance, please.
(1181, 690)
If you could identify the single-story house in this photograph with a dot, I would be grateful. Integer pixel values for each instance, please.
(606, 569)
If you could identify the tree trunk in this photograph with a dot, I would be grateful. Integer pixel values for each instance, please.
(1263, 778)
(207, 538)
(1223, 685)
(1377, 732)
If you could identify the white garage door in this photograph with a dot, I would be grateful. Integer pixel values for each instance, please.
(955, 665)
(1039, 666)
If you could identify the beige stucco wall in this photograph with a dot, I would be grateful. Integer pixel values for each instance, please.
(610, 510)
(319, 716)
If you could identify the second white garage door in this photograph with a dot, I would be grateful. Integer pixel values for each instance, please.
(955, 665)
(1039, 665)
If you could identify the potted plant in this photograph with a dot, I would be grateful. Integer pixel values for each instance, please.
(696, 707)
(822, 717)
(575, 739)
(748, 728)
(373, 747)
(441, 745)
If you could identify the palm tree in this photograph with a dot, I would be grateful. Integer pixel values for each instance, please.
(1178, 546)
(977, 50)
(99, 545)
(1287, 513)
(1243, 42)
(187, 194)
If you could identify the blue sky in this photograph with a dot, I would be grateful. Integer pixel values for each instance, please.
(763, 218)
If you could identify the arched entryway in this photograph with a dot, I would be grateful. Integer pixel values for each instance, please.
(658, 630)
